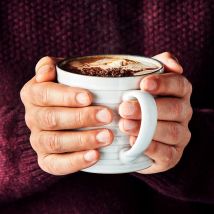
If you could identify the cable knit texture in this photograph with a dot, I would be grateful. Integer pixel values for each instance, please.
(33, 29)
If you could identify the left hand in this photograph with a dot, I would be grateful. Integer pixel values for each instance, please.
(174, 113)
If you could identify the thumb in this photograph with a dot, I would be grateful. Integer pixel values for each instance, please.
(170, 62)
(46, 69)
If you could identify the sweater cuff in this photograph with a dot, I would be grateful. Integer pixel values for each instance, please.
(192, 178)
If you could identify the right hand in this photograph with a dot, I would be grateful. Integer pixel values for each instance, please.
(53, 112)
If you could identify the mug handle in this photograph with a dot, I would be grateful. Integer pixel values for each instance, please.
(147, 127)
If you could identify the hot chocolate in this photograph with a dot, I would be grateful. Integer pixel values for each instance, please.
(110, 86)
(107, 66)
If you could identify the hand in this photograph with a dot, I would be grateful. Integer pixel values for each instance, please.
(53, 112)
(174, 113)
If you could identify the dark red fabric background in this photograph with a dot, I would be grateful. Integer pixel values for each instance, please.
(32, 29)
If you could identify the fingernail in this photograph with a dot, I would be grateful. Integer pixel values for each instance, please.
(127, 109)
(83, 98)
(103, 137)
(172, 62)
(129, 125)
(45, 68)
(176, 59)
(103, 116)
(90, 156)
(149, 85)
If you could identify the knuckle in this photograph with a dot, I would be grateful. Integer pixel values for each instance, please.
(152, 149)
(28, 120)
(186, 85)
(41, 93)
(178, 109)
(81, 141)
(189, 87)
(66, 98)
(176, 155)
(182, 84)
(49, 119)
(79, 118)
(164, 87)
(188, 137)
(174, 131)
(167, 159)
(54, 143)
(87, 140)
(69, 98)
(187, 113)
(44, 95)
(190, 113)
(42, 164)
(24, 93)
(33, 142)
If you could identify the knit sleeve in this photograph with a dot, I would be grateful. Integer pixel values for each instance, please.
(20, 174)
(192, 179)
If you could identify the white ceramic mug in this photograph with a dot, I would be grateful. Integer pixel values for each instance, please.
(119, 157)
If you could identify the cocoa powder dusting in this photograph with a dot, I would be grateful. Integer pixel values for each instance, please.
(94, 71)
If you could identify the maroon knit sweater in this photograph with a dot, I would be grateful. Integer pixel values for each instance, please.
(32, 29)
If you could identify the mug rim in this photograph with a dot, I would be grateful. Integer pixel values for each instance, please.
(158, 70)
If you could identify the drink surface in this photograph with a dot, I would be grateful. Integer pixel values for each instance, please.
(108, 66)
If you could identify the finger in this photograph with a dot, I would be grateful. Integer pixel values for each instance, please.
(173, 109)
(46, 69)
(24, 92)
(130, 110)
(62, 164)
(130, 127)
(170, 62)
(164, 157)
(54, 94)
(48, 142)
(132, 140)
(168, 84)
(169, 109)
(59, 118)
(170, 133)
